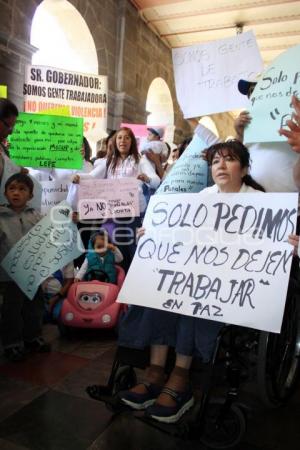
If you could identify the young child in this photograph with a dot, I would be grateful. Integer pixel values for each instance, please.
(21, 318)
(55, 289)
(100, 260)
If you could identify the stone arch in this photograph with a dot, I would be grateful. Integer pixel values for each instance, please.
(69, 34)
(159, 105)
(209, 123)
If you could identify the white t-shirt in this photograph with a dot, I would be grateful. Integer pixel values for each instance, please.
(244, 188)
(158, 147)
(272, 166)
(59, 174)
(272, 163)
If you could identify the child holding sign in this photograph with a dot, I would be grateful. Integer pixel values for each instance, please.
(190, 336)
(21, 317)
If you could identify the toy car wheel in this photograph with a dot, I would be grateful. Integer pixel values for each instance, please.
(224, 427)
(125, 378)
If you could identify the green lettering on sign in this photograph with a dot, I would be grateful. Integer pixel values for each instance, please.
(44, 141)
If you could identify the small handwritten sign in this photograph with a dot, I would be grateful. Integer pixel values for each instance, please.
(206, 75)
(222, 257)
(189, 173)
(271, 99)
(48, 246)
(53, 192)
(47, 141)
(108, 198)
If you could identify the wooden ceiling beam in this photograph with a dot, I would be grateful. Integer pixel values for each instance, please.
(249, 23)
(223, 9)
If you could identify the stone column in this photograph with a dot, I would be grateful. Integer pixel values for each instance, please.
(14, 55)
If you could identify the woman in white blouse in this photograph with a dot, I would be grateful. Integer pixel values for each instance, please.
(125, 161)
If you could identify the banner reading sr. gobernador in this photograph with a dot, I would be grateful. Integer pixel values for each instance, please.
(86, 95)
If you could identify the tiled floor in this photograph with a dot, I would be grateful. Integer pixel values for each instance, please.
(44, 406)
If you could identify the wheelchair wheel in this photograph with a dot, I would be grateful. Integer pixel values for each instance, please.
(278, 357)
(125, 378)
(224, 427)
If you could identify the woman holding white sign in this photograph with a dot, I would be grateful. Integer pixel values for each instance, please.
(122, 162)
(190, 336)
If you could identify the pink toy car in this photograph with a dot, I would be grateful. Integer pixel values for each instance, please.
(92, 304)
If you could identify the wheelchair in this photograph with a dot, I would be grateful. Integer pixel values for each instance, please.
(241, 355)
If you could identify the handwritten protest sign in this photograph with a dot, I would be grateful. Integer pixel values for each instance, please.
(47, 141)
(10, 169)
(53, 192)
(3, 91)
(206, 75)
(271, 99)
(108, 198)
(189, 173)
(48, 246)
(222, 257)
(86, 95)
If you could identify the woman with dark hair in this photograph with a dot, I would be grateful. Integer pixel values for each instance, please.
(86, 153)
(124, 161)
(8, 116)
(142, 327)
(229, 151)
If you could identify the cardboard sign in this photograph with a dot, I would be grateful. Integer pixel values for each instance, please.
(207, 75)
(10, 169)
(53, 192)
(47, 247)
(108, 198)
(271, 99)
(47, 141)
(189, 173)
(3, 91)
(86, 95)
(222, 257)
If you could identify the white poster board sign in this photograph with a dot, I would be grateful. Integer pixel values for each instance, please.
(53, 192)
(47, 88)
(222, 257)
(103, 199)
(207, 75)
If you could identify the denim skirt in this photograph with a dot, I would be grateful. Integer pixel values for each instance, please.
(141, 327)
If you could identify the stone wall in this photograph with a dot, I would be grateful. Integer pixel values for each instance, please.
(129, 53)
(15, 48)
